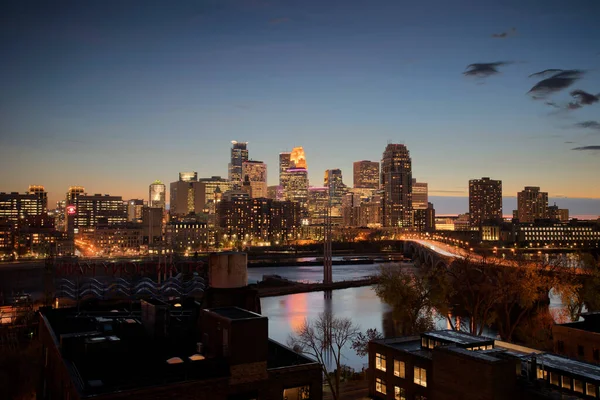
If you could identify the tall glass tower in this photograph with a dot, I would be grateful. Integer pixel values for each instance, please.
(396, 181)
(239, 154)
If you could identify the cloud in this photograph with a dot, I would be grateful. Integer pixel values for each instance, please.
(569, 142)
(510, 32)
(585, 97)
(552, 104)
(277, 21)
(588, 125)
(587, 148)
(483, 70)
(559, 80)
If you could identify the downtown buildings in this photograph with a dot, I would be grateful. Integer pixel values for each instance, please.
(396, 183)
(485, 200)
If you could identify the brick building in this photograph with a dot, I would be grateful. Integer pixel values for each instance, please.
(579, 340)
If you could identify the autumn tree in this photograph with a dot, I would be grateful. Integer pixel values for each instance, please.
(323, 339)
(409, 295)
(584, 288)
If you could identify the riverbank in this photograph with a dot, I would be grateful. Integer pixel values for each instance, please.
(289, 287)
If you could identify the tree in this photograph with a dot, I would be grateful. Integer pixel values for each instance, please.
(323, 338)
(361, 343)
(409, 295)
(580, 292)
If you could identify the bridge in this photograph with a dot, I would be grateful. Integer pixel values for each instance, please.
(430, 253)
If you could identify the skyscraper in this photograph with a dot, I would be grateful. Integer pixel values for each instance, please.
(40, 192)
(366, 174)
(419, 195)
(239, 154)
(298, 158)
(396, 182)
(485, 200)
(186, 195)
(157, 193)
(337, 190)
(297, 186)
(532, 204)
(73, 193)
(255, 172)
(284, 165)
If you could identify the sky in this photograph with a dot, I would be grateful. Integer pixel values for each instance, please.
(112, 95)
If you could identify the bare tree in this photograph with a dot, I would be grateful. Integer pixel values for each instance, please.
(323, 338)
(361, 343)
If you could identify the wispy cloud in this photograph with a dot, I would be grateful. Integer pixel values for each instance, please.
(277, 21)
(559, 79)
(503, 35)
(587, 148)
(588, 125)
(483, 70)
(585, 98)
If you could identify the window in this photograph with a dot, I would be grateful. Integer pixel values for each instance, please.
(297, 393)
(380, 361)
(542, 374)
(380, 385)
(590, 389)
(399, 369)
(577, 385)
(580, 352)
(566, 382)
(561, 346)
(399, 393)
(554, 378)
(420, 376)
(424, 342)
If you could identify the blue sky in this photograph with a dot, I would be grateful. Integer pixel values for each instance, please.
(112, 95)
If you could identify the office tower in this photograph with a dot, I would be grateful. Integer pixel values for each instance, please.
(239, 154)
(419, 195)
(73, 193)
(424, 218)
(209, 187)
(39, 191)
(275, 192)
(351, 203)
(134, 210)
(366, 174)
(284, 165)
(97, 209)
(532, 204)
(255, 172)
(337, 190)
(18, 207)
(558, 214)
(396, 182)
(186, 195)
(317, 204)
(485, 200)
(297, 186)
(152, 218)
(298, 158)
(158, 192)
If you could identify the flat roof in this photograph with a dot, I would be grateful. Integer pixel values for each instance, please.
(480, 355)
(573, 367)
(235, 313)
(458, 337)
(590, 323)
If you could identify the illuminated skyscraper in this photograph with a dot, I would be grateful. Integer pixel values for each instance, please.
(317, 204)
(91, 211)
(396, 181)
(337, 190)
(186, 195)
(366, 174)
(532, 204)
(158, 192)
(297, 186)
(298, 158)
(419, 195)
(40, 192)
(239, 154)
(284, 165)
(73, 193)
(189, 176)
(255, 172)
(485, 200)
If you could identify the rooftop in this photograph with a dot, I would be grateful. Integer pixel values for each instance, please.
(590, 323)
(458, 338)
(573, 367)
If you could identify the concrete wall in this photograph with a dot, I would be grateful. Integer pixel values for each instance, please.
(228, 270)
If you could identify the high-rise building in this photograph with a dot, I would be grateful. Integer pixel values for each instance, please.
(298, 158)
(239, 154)
(337, 190)
(317, 204)
(73, 193)
(297, 186)
(134, 210)
(284, 164)
(558, 214)
(532, 204)
(158, 192)
(93, 210)
(419, 195)
(396, 182)
(255, 172)
(485, 200)
(366, 174)
(17, 207)
(275, 192)
(425, 218)
(209, 187)
(186, 195)
(39, 191)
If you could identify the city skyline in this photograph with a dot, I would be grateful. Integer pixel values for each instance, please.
(120, 101)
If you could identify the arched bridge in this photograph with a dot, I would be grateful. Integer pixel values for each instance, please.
(428, 254)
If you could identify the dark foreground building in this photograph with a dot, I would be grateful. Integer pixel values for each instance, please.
(169, 351)
(450, 365)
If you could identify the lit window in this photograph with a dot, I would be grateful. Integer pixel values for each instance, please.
(420, 376)
(380, 361)
(380, 385)
(542, 374)
(399, 393)
(566, 382)
(577, 385)
(554, 378)
(399, 369)
(590, 389)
